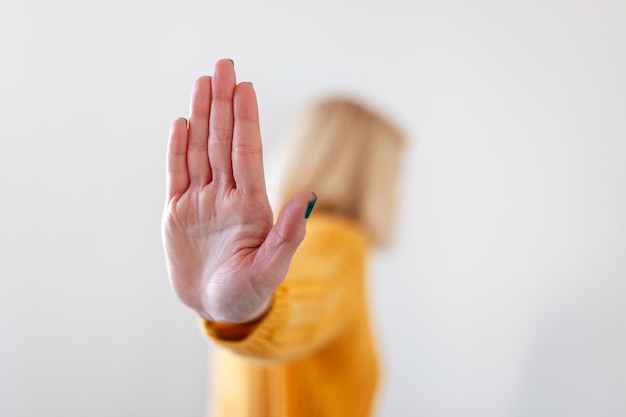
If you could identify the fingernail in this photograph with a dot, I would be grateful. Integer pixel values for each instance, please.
(251, 83)
(231, 61)
(310, 206)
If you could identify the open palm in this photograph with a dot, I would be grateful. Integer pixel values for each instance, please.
(224, 255)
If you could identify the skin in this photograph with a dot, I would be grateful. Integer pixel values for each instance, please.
(224, 254)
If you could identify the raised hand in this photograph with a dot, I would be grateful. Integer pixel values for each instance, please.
(224, 255)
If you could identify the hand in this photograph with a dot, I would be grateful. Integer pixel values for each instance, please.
(224, 255)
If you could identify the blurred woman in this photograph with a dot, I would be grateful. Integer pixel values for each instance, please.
(289, 313)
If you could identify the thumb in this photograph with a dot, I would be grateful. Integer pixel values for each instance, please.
(274, 255)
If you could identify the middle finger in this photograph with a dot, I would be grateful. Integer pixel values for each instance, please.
(221, 122)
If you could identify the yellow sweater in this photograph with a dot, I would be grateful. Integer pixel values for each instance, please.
(312, 354)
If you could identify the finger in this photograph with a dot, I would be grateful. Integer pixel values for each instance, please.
(177, 174)
(221, 121)
(247, 152)
(274, 255)
(197, 158)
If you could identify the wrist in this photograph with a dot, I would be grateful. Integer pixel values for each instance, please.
(236, 318)
(235, 331)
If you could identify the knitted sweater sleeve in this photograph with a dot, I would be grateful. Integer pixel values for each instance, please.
(320, 297)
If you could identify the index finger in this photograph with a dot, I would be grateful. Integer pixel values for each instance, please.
(247, 150)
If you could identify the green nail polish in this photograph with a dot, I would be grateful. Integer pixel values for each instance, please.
(310, 206)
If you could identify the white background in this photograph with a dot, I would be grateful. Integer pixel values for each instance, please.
(504, 294)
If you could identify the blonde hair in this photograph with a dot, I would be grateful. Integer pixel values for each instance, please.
(348, 155)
